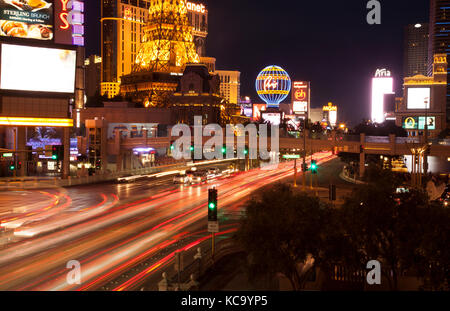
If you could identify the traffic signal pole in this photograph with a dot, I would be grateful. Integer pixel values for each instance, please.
(15, 152)
(295, 173)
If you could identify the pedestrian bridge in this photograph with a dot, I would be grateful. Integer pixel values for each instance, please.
(378, 145)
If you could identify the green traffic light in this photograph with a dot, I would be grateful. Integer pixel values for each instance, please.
(245, 152)
(192, 148)
(212, 205)
(54, 157)
(172, 147)
(12, 167)
(224, 150)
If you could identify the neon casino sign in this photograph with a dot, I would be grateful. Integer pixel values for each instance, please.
(199, 8)
(270, 83)
(72, 16)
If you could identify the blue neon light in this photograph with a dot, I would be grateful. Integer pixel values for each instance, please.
(273, 85)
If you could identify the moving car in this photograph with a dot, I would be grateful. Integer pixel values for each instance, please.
(181, 179)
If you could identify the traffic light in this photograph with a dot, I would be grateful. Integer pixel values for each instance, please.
(212, 205)
(12, 166)
(19, 165)
(54, 153)
(305, 167)
(314, 167)
(224, 149)
(361, 149)
(58, 152)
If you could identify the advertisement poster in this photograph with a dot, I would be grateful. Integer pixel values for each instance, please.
(414, 123)
(48, 70)
(30, 19)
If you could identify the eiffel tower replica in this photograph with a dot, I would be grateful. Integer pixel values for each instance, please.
(168, 45)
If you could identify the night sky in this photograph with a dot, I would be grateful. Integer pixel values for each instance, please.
(326, 42)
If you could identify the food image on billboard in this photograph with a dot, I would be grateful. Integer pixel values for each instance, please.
(26, 68)
(31, 19)
(419, 98)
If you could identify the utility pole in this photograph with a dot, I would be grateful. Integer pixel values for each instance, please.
(295, 173)
(15, 152)
(304, 155)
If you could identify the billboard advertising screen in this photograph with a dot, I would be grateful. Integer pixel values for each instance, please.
(26, 68)
(419, 98)
(272, 118)
(418, 123)
(257, 109)
(300, 107)
(31, 19)
(300, 96)
(380, 87)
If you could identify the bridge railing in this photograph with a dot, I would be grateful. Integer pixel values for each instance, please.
(378, 139)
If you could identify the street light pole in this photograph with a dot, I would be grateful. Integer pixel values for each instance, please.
(295, 173)
(15, 152)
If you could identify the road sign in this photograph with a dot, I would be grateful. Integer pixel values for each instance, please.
(291, 156)
(213, 226)
(48, 151)
(8, 155)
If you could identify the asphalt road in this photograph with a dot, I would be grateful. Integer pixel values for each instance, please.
(123, 235)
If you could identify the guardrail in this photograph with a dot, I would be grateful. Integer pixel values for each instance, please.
(201, 263)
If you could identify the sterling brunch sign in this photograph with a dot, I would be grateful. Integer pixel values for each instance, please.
(26, 19)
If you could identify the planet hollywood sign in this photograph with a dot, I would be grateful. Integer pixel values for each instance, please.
(199, 8)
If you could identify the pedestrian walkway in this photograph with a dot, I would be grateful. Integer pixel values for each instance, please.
(228, 274)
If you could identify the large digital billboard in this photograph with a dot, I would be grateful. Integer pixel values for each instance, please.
(419, 98)
(273, 118)
(380, 87)
(32, 19)
(257, 109)
(26, 68)
(418, 123)
(300, 97)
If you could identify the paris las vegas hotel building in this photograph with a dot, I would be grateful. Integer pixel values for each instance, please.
(123, 23)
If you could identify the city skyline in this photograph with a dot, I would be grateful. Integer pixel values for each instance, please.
(349, 83)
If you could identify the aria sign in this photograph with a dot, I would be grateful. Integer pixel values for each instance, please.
(381, 73)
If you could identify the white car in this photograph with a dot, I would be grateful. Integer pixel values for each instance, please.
(181, 179)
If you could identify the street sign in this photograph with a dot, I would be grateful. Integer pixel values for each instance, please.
(8, 155)
(213, 226)
(48, 151)
(291, 156)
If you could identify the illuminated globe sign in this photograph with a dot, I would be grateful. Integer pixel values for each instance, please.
(273, 85)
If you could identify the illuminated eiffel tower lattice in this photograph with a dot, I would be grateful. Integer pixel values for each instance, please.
(168, 43)
(167, 46)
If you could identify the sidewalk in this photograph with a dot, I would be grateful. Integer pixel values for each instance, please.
(11, 183)
(229, 274)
